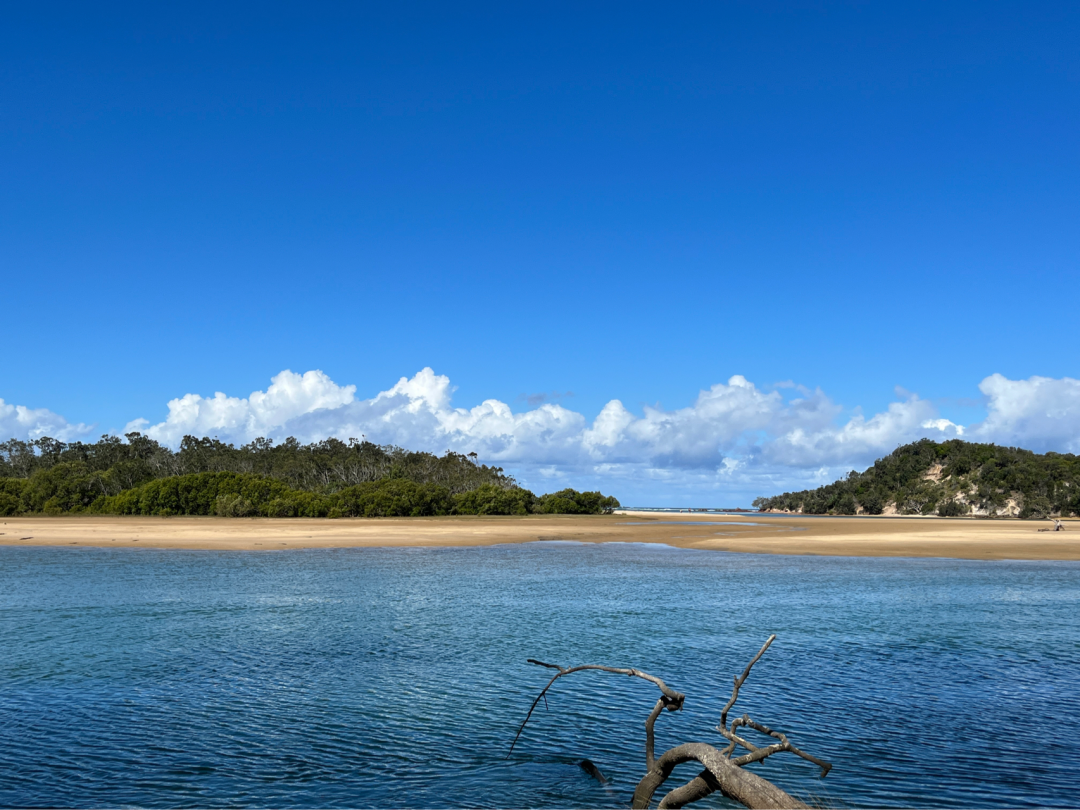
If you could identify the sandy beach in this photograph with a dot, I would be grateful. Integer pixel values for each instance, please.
(862, 536)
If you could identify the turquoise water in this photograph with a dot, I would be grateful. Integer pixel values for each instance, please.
(397, 677)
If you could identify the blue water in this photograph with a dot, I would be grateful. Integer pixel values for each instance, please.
(396, 677)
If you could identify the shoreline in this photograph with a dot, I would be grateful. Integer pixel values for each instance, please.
(955, 538)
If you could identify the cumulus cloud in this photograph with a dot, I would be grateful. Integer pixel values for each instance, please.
(417, 413)
(1039, 413)
(733, 437)
(289, 395)
(730, 427)
(860, 440)
(20, 422)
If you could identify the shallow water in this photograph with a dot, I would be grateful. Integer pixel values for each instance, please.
(397, 677)
(690, 523)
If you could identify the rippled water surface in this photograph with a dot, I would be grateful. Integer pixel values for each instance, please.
(396, 677)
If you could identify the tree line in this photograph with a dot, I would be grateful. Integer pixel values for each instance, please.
(951, 478)
(139, 476)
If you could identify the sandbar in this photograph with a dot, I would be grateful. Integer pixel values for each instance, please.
(958, 538)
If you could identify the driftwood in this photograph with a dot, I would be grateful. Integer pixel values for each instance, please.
(591, 769)
(721, 770)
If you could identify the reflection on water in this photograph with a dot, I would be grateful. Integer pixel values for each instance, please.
(397, 677)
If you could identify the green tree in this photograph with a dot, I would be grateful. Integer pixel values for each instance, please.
(138, 476)
(572, 502)
(489, 499)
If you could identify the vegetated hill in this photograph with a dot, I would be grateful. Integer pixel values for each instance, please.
(205, 476)
(950, 478)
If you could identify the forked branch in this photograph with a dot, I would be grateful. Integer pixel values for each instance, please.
(721, 772)
(741, 679)
(757, 754)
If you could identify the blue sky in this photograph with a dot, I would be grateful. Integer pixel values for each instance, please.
(622, 201)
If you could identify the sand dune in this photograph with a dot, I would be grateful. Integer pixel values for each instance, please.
(863, 536)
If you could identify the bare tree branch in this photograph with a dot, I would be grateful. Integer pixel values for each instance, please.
(758, 754)
(671, 699)
(736, 783)
(649, 723)
(740, 680)
(721, 772)
(697, 788)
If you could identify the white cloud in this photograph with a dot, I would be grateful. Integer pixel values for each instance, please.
(1039, 413)
(730, 427)
(20, 422)
(289, 395)
(859, 441)
(417, 413)
(734, 440)
(944, 425)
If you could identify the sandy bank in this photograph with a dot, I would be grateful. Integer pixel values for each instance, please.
(870, 536)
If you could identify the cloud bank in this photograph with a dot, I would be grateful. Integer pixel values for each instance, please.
(735, 437)
(732, 420)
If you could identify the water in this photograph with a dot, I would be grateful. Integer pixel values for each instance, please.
(397, 677)
(686, 522)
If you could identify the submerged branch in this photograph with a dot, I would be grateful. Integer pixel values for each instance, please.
(721, 772)
(736, 783)
(702, 785)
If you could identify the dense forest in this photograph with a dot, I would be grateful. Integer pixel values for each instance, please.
(138, 476)
(950, 478)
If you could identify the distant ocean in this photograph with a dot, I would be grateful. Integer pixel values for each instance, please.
(397, 677)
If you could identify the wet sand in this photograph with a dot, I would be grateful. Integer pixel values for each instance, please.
(960, 538)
